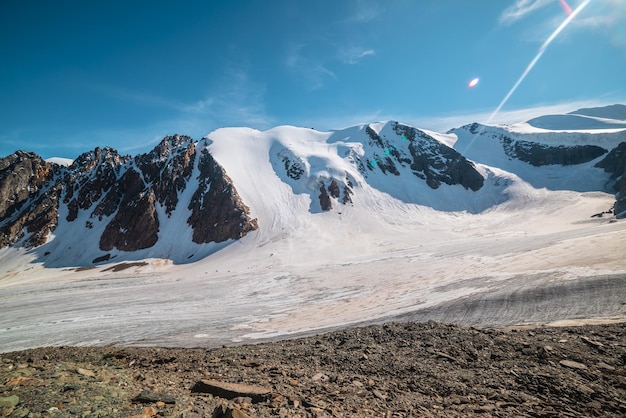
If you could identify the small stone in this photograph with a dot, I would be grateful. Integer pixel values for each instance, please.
(585, 389)
(379, 395)
(572, 364)
(591, 342)
(9, 401)
(20, 381)
(149, 411)
(357, 384)
(223, 411)
(321, 377)
(85, 372)
(147, 396)
(485, 408)
(603, 365)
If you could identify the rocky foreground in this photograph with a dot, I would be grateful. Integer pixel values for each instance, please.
(391, 370)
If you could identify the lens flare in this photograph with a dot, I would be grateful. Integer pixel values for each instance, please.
(566, 7)
(530, 66)
(473, 83)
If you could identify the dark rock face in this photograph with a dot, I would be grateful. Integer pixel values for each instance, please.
(28, 199)
(539, 155)
(620, 198)
(429, 159)
(91, 176)
(217, 212)
(333, 191)
(614, 162)
(325, 201)
(122, 194)
(293, 166)
(22, 176)
(135, 226)
(436, 162)
(167, 168)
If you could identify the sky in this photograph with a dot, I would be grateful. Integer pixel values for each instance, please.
(80, 74)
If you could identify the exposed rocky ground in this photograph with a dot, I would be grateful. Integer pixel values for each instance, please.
(390, 370)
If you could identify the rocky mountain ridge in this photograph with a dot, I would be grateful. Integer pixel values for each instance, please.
(119, 197)
(178, 193)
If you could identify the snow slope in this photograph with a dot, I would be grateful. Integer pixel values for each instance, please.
(484, 144)
(398, 248)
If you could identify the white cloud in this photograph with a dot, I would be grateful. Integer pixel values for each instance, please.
(364, 11)
(521, 9)
(353, 55)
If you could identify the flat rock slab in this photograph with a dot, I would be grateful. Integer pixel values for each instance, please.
(231, 390)
(572, 364)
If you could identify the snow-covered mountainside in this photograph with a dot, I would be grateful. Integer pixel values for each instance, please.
(247, 234)
(581, 151)
(178, 201)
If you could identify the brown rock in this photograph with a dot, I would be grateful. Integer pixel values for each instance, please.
(231, 390)
(604, 366)
(26, 177)
(572, 364)
(85, 372)
(217, 212)
(135, 226)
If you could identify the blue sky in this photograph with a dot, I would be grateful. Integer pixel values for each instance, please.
(81, 74)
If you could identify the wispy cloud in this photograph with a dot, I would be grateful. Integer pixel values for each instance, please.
(353, 55)
(520, 9)
(365, 11)
(313, 70)
(607, 17)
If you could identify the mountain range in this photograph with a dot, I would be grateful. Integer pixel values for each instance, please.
(186, 199)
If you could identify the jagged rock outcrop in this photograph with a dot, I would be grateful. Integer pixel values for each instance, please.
(135, 225)
(614, 162)
(121, 201)
(217, 211)
(436, 162)
(167, 168)
(28, 199)
(325, 202)
(22, 176)
(540, 154)
(90, 177)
